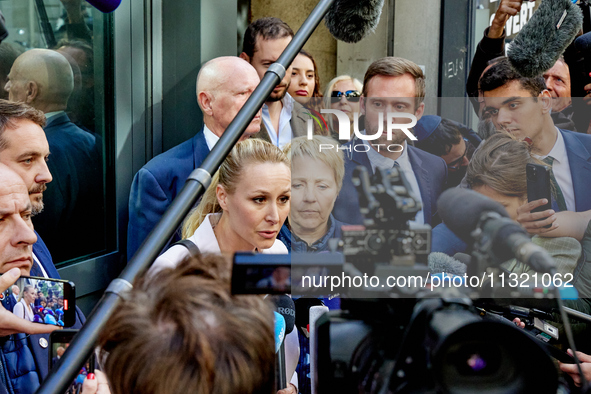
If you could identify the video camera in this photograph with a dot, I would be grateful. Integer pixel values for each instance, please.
(410, 338)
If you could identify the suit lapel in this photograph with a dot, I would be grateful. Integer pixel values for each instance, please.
(200, 149)
(579, 160)
(422, 176)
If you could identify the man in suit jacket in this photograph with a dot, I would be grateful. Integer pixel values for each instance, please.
(283, 117)
(223, 86)
(392, 85)
(25, 356)
(43, 79)
(522, 107)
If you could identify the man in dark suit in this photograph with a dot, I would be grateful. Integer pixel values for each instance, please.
(43, 79)
(392, 85)
(522, 107)
(223, 86)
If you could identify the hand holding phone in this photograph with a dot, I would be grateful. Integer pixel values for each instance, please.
(537, 216)
(11, 323)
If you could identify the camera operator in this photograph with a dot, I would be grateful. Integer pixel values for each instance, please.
(181, 330)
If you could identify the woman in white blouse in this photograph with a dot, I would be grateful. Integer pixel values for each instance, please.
(23, 307)
(244, 207)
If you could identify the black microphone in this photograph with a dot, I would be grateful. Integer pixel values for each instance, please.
(487, 219)
(440, 262)
(352, 20)
(105, 6)
(583, 43)
(544, 38)
(285, 307)
(463, 258)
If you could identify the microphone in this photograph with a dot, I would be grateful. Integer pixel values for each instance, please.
(440, 262)
(105, 6)
(285, 306)
(583, 43)
(279, 331)
(463, 258)
(544, 38)
(280, 351)
(315, 313)
(482, 215)
(352, 20)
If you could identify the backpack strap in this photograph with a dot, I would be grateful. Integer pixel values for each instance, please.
(190, 245)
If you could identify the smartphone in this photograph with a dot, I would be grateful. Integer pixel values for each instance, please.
(42, 300)
(256, 273)
(59, 341)
(539, 186)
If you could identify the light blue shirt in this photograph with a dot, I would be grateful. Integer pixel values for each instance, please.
(284, 136)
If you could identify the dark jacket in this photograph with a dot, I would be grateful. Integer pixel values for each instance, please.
(74, 198)
(430, 171)
(155, 186)
(24, 362)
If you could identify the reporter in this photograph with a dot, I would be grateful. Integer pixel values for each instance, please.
(498, 171)
(244, 207)
(181, 331)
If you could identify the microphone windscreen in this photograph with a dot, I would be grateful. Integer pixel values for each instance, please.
(440, 262)
(352, 20)
(284, 305)
(545, 37)
(583, 43)
(279, 330)
(105, 6)
(461, 209)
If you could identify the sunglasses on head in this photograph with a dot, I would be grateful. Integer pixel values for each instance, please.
(350, 95)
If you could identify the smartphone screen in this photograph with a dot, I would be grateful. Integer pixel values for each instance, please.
(42, 300)
(59, 341)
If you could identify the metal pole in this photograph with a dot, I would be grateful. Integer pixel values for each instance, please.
(80, 349)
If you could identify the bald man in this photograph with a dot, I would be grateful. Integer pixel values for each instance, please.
(43, 79)
(223, 86)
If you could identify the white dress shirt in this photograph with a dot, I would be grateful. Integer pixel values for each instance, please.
(562, 172)
(285, 133)
(210, 138)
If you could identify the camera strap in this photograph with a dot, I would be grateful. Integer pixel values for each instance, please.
(190, 245)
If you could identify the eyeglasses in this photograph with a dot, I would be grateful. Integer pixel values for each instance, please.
(456, 164)
(350, 95)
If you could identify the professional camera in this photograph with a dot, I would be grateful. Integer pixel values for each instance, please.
(387, 205)
(412, 339)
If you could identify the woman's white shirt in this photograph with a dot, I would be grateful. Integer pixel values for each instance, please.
(21, 309)
(205, 239)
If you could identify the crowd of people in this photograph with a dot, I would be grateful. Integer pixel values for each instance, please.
(180, 329)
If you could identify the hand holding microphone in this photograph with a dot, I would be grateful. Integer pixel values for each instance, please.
(507, 8)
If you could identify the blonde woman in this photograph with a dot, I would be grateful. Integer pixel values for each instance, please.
(342, 93)
(23, 307)
(316, 179)
(244, 207)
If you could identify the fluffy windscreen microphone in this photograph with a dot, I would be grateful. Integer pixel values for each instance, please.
(544, 38)
(440, 262)
(352, 20)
